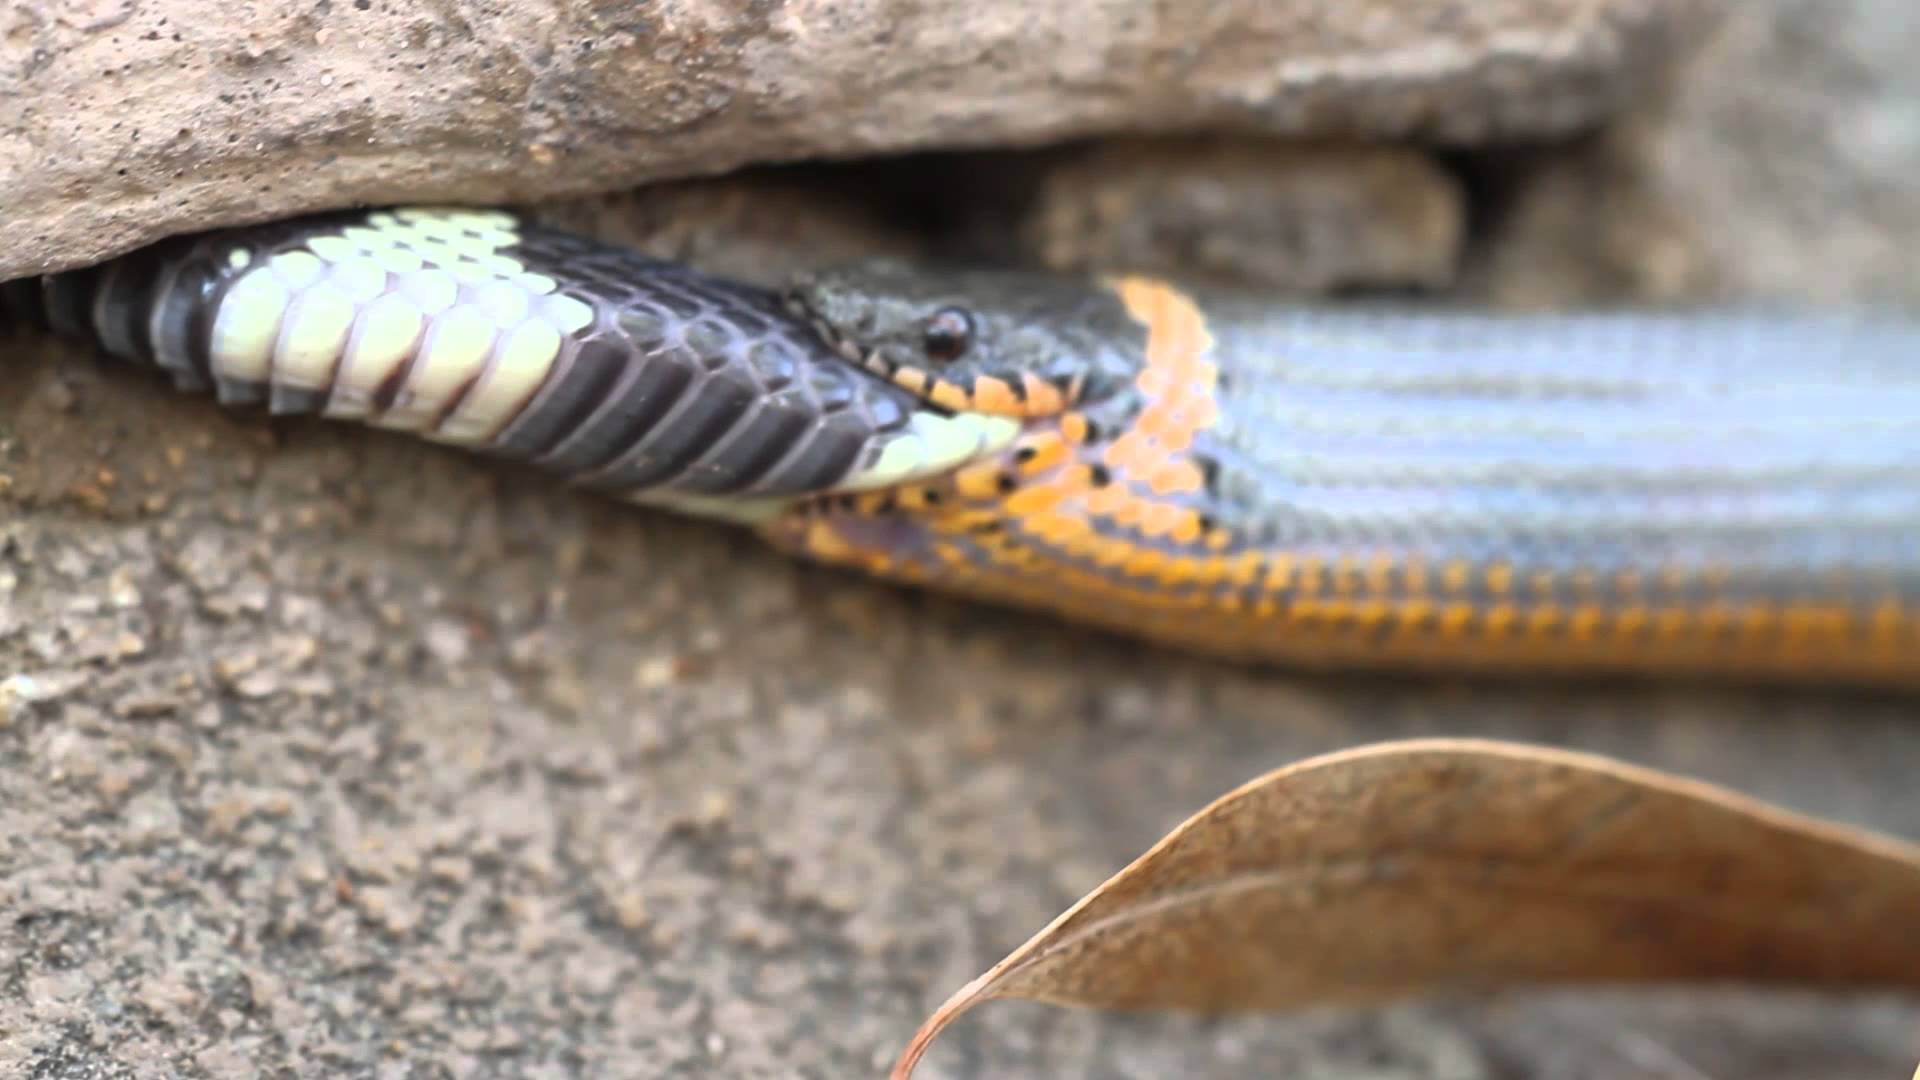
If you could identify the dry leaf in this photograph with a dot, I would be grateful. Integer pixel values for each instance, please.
(1455, 865)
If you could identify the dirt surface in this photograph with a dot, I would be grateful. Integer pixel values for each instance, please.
(347, 754)
(126, 121)
(325, 753)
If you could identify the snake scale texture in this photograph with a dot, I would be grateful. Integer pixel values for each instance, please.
(1345, 486)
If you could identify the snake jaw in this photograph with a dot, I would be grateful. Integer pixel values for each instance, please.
(933, 444)
(870, 360)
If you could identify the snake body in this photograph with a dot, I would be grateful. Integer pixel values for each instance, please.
(1330, 486)
(621, 373)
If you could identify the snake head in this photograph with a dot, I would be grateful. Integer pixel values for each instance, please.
(992, 341)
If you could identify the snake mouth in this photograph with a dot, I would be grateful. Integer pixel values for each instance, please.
(843, 344)
(934, 441)
(995, 342)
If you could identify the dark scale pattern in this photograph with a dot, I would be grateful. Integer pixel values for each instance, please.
(715, 408)
(155, 306)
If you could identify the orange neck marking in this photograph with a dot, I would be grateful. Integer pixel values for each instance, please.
(1177, 383)
(1044, 498)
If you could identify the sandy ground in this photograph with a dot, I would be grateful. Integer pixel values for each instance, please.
(326, 753)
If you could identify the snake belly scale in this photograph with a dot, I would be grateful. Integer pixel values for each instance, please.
(1718, 493)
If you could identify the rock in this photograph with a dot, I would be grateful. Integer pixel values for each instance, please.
(126, 122)
(1279, 216)
(756, 225)
(1269, 214)
(1796, 187)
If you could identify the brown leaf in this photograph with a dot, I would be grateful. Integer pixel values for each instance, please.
(1454, 865)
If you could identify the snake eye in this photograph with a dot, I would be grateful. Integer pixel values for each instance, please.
(949, 333)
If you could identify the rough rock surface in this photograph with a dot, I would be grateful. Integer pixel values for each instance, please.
(1778, 165)
(325, 753)
(125, 121)
(1295, 218)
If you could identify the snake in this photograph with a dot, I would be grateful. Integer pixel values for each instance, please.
(1336, 485)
